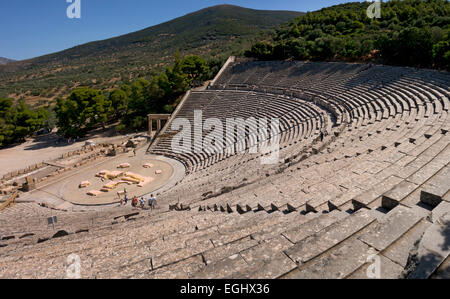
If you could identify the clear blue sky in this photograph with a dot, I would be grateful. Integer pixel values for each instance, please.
(30, 28)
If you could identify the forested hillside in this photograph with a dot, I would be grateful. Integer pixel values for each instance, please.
(409, 33)
(214, 33)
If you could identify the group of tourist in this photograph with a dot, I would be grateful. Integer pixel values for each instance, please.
(138, 202)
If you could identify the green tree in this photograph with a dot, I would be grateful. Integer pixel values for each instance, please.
(139, 99)
(6, 121)
(178, 80)
(19, 121)
(298, 48)
(119, 102)
(81, 111)
(261, 50)
(441, 53)
(196, 69)
(409, 33)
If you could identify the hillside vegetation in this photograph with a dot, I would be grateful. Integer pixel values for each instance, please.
(214, 33)
(409, 33)
(86, 108)
(18, 121)
(4, 61)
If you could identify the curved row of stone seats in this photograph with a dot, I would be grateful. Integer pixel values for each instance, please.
(428, 185)
(384, 116)
(394, 234)
(375, 152)
(390, 154)
(255, 165)
(233, 171)
(399, 123)
(192, 244)
(388, 158)
(282, 124)
(292, 114)
(408, 104)
(397, 163)
(394, 126)
(374, 77)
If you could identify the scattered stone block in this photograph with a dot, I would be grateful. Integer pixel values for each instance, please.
(84, 184)
(435, 189)
(393, 226)
(394, 196)
(124, 165)
(94, 193)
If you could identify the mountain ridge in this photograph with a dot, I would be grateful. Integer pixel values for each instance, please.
(4, 60)
(213, 32)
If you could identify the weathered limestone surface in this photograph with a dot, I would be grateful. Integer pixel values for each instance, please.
(399, 251)
(223, 269)
(435, 189)
(314, 245)
(433, 250)
(303, 231)
(395, 224)
(394, 196)
(218, 253)
(338, 264)
(388, 270)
